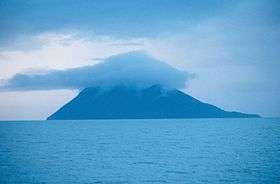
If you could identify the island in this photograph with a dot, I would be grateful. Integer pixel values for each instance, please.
(152, 102)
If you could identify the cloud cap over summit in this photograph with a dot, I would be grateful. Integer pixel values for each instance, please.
(135, 68)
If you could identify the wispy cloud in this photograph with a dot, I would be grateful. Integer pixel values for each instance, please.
(61, 51)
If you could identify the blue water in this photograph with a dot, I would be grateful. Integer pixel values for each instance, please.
(141, 151)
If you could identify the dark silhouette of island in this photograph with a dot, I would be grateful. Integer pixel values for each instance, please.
(155, 102)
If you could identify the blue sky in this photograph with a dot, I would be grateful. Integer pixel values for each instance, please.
(120, 18)
(231, 47)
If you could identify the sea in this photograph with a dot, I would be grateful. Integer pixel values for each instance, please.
(183, 151)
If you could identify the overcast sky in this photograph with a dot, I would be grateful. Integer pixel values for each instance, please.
(230, 47)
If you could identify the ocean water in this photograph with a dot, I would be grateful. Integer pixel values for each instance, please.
(141, 151)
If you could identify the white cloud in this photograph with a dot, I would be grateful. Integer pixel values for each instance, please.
(227, 53)
(61, 51)
(135, 69)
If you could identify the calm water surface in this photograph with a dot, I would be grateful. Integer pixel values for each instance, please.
(141, 151)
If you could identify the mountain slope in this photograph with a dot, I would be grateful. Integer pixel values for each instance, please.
(129, 103)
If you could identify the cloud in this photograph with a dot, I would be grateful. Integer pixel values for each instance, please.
(232, 46)
(132, 68)
(62, 51)
(119, 18)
